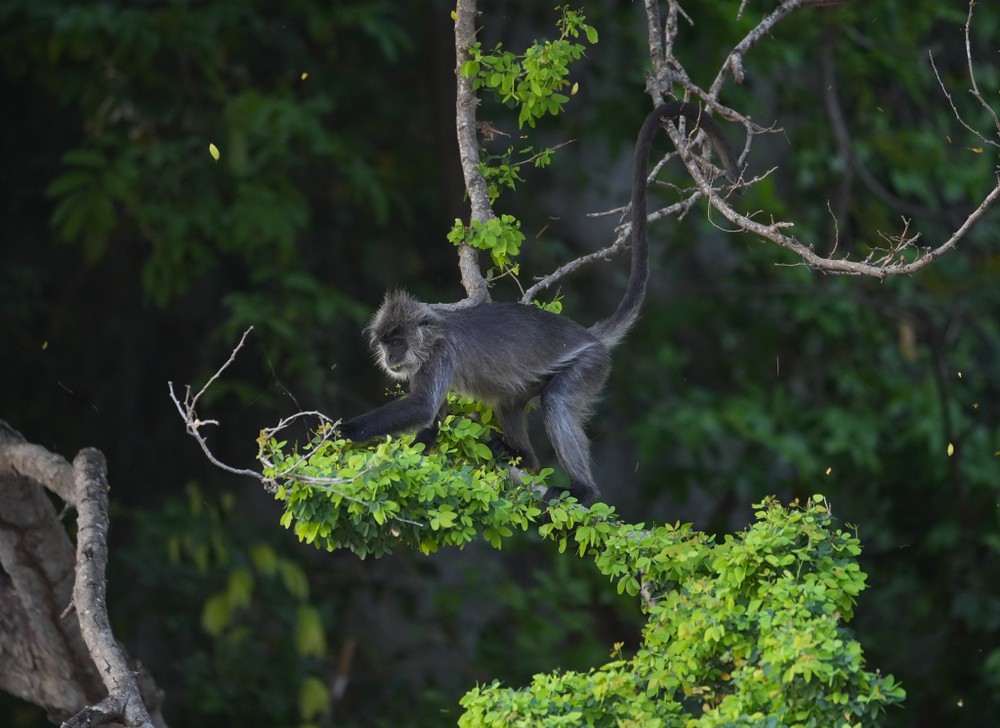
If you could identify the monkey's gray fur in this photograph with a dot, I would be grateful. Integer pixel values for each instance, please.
(506, 354)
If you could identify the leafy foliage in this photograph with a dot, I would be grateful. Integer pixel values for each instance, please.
(531, 81)
(749, 631)
(261, 623)
(501, 236)
(372, 499)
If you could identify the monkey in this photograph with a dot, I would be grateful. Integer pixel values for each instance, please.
(507, 354)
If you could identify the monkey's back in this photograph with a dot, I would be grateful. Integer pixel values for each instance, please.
(509, 350)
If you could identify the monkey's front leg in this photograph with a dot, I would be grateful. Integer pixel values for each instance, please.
(418, 410)
(402, 415)
(428, 435)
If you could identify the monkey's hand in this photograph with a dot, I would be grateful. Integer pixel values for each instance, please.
(427, 436)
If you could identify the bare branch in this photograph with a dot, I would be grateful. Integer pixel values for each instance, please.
(192, 422)
(881, 269)
(974, 90)
(327, 428)
(58, 650)
(900, 255)
(972, 74)
(733, 65)
(468, 149)
(90, 600)
(624, 232)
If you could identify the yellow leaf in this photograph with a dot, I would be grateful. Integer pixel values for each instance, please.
(214, 151)
(828, 470)
(951, 449)
(454, 16)
(576, 87)
(45, 345)
(305, 75)
(976, 150)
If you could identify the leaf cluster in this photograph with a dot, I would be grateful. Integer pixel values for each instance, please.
(374, 498)
(531, 81)
(500, 236)
(749, 631)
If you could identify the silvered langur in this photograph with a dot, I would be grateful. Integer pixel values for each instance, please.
(506, 354)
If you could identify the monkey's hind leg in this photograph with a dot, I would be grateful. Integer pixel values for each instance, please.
(566, 403)
(515, 442)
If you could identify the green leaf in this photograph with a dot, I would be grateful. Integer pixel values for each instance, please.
(314, 698)
(215, 614)
(310, 637)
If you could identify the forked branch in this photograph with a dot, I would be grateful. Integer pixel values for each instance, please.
(900, 254)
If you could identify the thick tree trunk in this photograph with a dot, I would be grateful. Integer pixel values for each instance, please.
(43, 656)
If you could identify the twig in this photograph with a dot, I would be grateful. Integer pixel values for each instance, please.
(974, 90)
(773, 231)
(193, 425)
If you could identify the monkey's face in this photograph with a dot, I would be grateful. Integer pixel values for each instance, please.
(395, 355)
(403, 334)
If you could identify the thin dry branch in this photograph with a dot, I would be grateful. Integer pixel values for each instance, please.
(773, 232)
(623, 234)
(327, 429)
(733, 65)
(193, 424)
(895, 257)
(974, 90)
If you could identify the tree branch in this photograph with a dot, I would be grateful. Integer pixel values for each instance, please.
(468, 149)
(90, 601)
(892, 259)
(327, 429)
(47, 656)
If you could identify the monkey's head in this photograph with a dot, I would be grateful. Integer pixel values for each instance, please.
(402, 334)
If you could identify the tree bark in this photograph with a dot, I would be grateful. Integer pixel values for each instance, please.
(44, 658)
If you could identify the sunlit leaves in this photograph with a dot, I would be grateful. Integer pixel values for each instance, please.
(741, 631)
(392, 494)
(500, 236)
(532, 81)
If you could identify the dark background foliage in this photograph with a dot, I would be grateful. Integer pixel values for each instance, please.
(131, 258)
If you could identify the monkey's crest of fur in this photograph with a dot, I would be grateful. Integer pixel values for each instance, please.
(402, 334)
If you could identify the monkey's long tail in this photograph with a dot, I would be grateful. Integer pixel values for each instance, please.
(611, 330)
